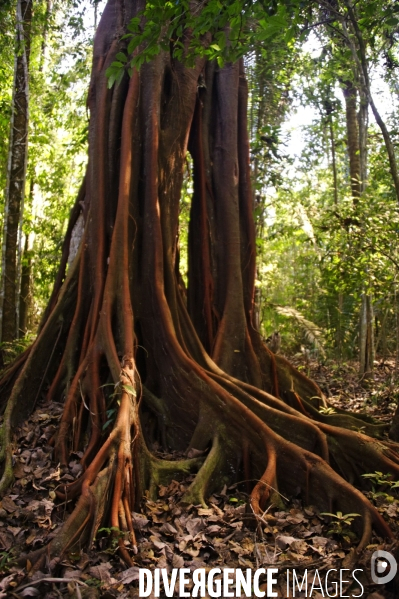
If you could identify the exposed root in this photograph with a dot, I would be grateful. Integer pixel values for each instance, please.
(162, 472)
(213, 465)
(6, 453)
(79, 527)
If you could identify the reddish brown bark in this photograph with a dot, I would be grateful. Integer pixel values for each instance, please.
(187, 376)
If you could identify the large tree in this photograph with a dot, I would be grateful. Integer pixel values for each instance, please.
(186, 368)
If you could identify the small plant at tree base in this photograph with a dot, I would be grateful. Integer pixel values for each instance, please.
(340, 525)
(379, 479)
(94, 582)
(114, 533)
(327, 411)
(7, 559)
(237, 501)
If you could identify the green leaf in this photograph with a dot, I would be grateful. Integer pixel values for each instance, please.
(111, 79)
(134, 25)
(129, 389)
(121, 57)
(134, 42)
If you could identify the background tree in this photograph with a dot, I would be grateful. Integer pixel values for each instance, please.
(60, 53)
(347, 257)
(17, 161)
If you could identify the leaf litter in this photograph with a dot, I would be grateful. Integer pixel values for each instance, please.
(172, 535)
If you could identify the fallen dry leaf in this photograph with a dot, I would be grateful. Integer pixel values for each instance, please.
(102, 571)
(282, 541)
(129, 575)
(8, 504)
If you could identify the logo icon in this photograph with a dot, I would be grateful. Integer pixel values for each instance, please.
(383, 562)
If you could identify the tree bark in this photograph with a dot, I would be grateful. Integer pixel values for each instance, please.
(360, 59)
(333, 158)
(356, 126)
(15, 190)
(24, 259)
(25, 294)
(366, 342)
(352, 131)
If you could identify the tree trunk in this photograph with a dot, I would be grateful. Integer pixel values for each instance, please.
(329, 112)
(359, 54)
(338, 333)
(25, 294)
(366, 343)
(353, 144)
(95, 14)
(17, 172)
(356, 127)
(333, 158)
(193, 375)
(24, 261)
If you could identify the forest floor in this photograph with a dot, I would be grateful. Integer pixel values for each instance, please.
(170, 535)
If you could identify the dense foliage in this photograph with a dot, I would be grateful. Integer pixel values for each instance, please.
(59, 72)
(317, 250)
